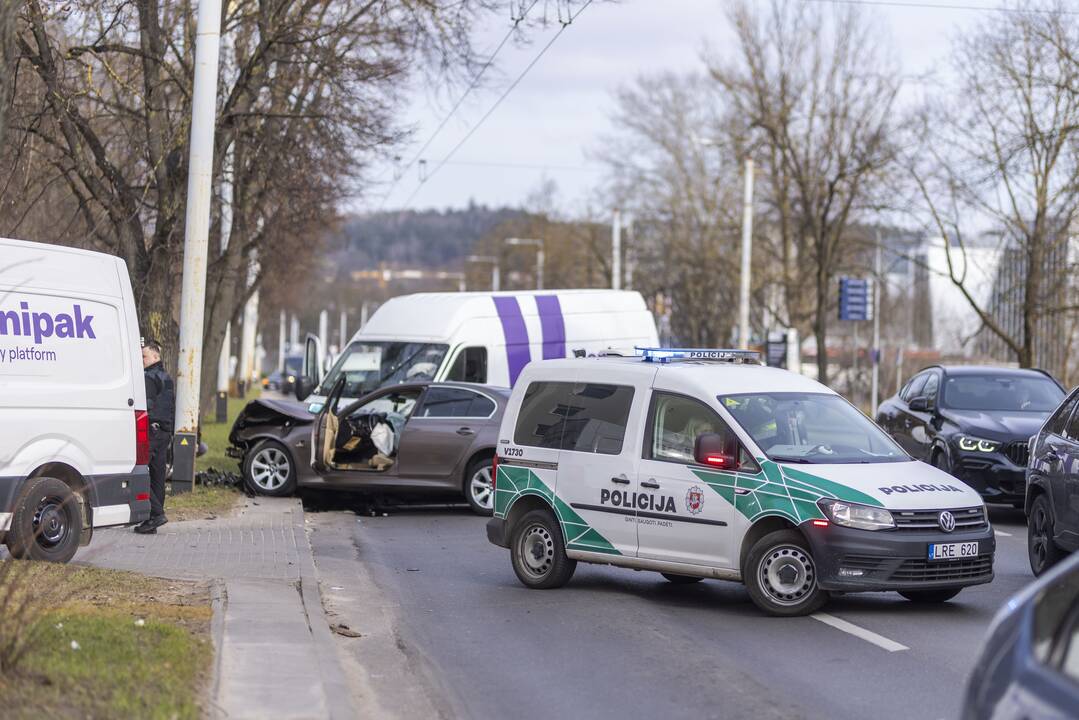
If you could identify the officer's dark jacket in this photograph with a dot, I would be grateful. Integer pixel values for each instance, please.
(160, 396)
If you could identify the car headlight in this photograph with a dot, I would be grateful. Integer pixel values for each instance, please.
(853, 515)
(292, 378)
(969, 443)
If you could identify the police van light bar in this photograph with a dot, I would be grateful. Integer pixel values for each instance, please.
(664, 355)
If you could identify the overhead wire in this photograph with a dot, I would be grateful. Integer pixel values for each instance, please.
(565, 24)
(918, 5)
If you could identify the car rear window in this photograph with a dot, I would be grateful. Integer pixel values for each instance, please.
(581, 417)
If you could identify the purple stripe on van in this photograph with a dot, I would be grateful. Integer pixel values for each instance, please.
(553, 325)
(515, 333)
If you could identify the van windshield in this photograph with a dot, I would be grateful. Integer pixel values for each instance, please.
(368, 366)
(813, 428)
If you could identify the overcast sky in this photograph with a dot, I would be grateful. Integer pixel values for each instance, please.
(549, 122)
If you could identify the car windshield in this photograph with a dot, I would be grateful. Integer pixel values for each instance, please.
(1001, 393)
(293, 365)
(368, 366)
(811, 428)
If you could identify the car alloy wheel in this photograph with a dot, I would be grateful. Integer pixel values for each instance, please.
(270, 468)
(482, 488)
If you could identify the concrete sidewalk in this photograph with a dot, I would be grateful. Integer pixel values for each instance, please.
(275, 653)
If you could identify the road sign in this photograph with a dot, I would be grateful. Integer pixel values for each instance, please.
(855, 298)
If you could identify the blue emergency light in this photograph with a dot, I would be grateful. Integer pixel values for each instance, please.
(664, 355)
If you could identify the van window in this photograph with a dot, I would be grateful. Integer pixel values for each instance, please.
(676, 423)
(470, 365)
(583, 417)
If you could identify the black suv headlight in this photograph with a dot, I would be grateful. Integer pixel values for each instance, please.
(970, 443)
(854, 515)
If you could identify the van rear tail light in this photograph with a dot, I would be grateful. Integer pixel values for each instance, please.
(142, 437)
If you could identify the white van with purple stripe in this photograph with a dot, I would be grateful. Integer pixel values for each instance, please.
(74, 433)
(477, 337)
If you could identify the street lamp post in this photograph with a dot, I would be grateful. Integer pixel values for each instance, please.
(747, 253)
(496, 279)
(538, 244)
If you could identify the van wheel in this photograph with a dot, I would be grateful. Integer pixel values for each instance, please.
(479, 486)
(681, 579)
(538, 552)
(930, 596)
(781, 576)
(47, 522)
(1042, 550)
(269, 470)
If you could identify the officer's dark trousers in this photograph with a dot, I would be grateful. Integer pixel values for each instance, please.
(159, 456)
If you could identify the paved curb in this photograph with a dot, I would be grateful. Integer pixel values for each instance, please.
(338, 697)
(218, 603)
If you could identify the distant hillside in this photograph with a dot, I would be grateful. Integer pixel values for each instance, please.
(428, 238)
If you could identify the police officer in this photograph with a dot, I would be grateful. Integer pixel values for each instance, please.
(161, 405)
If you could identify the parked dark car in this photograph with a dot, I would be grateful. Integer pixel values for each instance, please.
(283, 380)
(1029, 666)
(1052, 503)
(431, 439)
(973, 422)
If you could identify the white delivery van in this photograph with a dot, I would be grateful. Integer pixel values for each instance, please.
(74, 433)
(705, 464)
(478, 337)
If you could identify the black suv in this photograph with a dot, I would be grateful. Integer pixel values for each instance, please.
(1052, 502)
(973, 422)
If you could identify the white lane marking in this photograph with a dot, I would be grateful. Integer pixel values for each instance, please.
(1001, 532)
(860, 632)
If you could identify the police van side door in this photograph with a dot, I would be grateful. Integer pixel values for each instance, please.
(688, 522)
(597, 467)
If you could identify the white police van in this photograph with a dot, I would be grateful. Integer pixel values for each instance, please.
(74, 433)
(705, 464)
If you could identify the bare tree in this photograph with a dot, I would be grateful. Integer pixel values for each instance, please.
(1002, 157)
(812, 95)
(9, 11)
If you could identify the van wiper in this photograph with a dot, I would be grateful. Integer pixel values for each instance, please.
(786, 459)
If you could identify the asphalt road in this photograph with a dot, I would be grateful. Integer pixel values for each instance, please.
(618, 643)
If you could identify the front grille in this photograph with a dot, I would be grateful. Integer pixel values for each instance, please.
(928, 571)
(1018, 452)
(924, 520)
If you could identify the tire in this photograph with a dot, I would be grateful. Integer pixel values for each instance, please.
(479, 487)
(681, 579)
(47, 522)
(538, 552)
(939, 595)
(793, 593)
(269, 469)
(1042, 551)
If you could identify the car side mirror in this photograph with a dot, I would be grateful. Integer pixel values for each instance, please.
(713, 450)
(919, 404)
(303, 387)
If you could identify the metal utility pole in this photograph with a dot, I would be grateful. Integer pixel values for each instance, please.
(616, 251)
(294, 334)
(196, 236)
(747, 254)
(538, 244)
(248, 338)
(221, 413)
(282, 324)
(496, 276)
(875, 382)
(324, 328)
(342, 330)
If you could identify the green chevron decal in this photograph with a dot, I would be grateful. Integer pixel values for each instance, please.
(513, 482)
(778, 490)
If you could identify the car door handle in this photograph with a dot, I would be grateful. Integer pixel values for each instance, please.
(620, 480)
(465, 431)
(1052, 457)
(650, 484)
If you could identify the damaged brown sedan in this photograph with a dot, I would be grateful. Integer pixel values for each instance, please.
(432, 439)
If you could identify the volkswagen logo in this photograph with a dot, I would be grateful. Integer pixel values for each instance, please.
(946, 521)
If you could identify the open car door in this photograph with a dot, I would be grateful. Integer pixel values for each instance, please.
(314, 362)
(324, 431)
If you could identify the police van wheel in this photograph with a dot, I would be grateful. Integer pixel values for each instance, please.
(681, 579)
(47, 522)
(270, 470)
(930, 596)
(781, 576)
(538, 553)
(479, 486)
